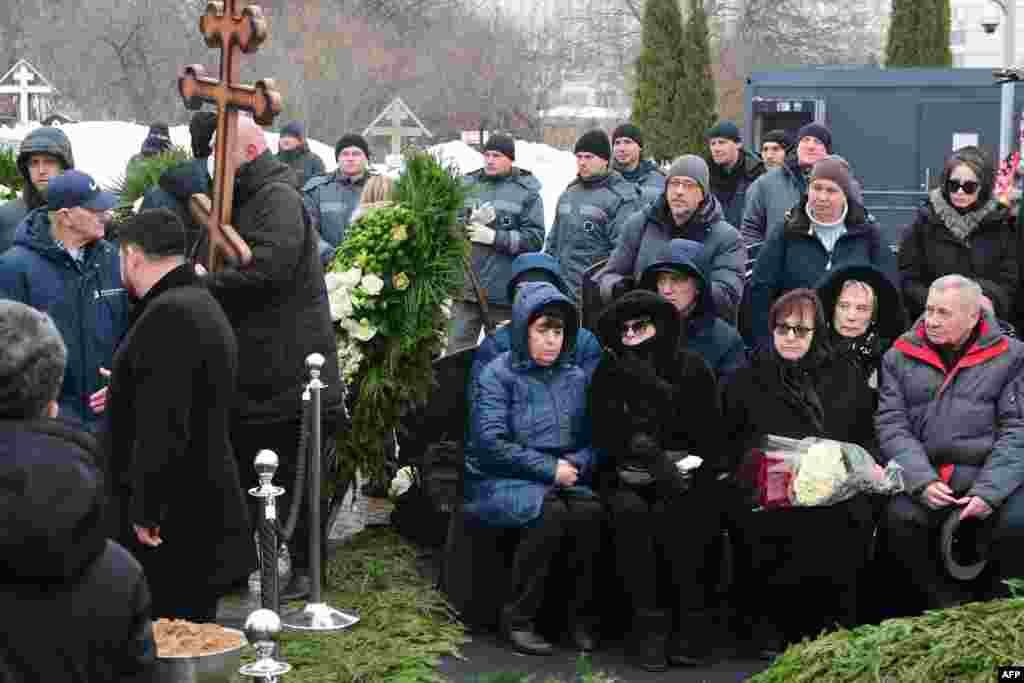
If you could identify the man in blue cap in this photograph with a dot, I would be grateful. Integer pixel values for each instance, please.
(61, 264)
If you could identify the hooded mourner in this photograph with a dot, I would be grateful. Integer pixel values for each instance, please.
(526, 417)
(978, 242)
(75, 604)
(888, 321)
(704, 333)
(44, 140)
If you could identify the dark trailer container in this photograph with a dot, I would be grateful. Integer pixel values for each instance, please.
(894, 126)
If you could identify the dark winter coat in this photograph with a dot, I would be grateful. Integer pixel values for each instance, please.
(768, 200)
(170, 400)
(527, 417)
(970, 416)
(87, 301)
(641, 390)
(648, 178)
(730, 187)
(305, 163)
(981, 245)
(174, 191)
(75, 606)
(646, 234)
(278, 303)
(43, 140)
(588, 223)
(330, 200)
(518, 226)
(704, 333)
(890, 317)
(795, 258)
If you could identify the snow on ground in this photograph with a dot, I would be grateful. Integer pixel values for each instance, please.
(102, 148)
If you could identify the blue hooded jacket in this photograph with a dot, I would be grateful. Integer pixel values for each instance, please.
(525, 418)
(714, 339)
(86, 300)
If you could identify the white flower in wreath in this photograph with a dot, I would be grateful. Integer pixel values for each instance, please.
(340, 303)
(333, 281)
(351, 277)
(361, 329)
(373, 284)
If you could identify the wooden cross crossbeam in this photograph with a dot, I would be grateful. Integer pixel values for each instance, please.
(397, 112)
(234, 32)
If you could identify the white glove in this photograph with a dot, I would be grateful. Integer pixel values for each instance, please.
(483, 214)
(480, 234)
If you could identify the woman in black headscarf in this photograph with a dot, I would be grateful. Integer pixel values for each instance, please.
(651, 403)
(789, 558)
(962, 229)
(865, 314)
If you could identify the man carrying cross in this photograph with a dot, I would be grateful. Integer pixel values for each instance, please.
(278, 307)
(332, 198)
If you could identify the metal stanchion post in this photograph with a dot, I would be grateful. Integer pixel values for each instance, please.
(270, 591)
(317, 615)
(260, 628)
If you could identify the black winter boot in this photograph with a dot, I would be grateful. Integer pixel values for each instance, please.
(647, 642)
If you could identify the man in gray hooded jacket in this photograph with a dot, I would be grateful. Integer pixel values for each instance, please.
(44, 153)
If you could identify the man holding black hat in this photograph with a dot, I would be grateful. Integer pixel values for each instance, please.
(61, 265)
(778, 191)
(591, 211)
(775, 145)
(330, 199)
(733, 169)
(170, 402)
(628, 145)
(293, 150)
(517, 228)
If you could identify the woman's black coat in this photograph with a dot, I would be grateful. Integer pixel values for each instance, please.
(170, 457)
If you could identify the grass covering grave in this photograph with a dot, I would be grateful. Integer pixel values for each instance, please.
(965, 643)
(405, 627)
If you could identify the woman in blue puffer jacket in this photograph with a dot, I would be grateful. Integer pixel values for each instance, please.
(531, 463)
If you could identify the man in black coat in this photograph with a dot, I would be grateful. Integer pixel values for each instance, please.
(278, 307)
(173, 475)
(74, 606)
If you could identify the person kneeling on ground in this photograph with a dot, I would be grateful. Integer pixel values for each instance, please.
(531, 464)
(651, 404)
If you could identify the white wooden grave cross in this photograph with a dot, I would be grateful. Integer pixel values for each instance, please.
(397, 111)
(23, 76)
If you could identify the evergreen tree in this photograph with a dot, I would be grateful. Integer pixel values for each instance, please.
(659, 78)
(919, 34)
(695, 111)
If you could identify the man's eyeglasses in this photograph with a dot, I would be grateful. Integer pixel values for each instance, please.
(636, 327)
(801, 332)
(968, 186)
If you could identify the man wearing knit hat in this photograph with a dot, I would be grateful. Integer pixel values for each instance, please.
(591, 211)
(733, 169)
(330, 199)
(828, 229)
(627, 146)
(516, 228)
(292, 149)
(776, 192)
(774, 146)
(686, 210)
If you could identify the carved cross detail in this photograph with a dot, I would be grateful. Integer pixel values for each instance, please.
(234, 32)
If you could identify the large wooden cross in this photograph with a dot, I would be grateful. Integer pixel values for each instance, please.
(234, 32)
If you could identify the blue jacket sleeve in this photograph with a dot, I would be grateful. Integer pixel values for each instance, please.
(1003, 471)
(530, 235)
(896, 438)
(764, 287)
(13, 282)
(588, 352)
(754, 227)
(498, 452)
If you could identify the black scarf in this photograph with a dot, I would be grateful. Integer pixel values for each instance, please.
(798, 378)
(864, 351)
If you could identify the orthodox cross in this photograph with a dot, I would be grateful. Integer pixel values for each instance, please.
(234, 32)
(397, 111)
(23, 76)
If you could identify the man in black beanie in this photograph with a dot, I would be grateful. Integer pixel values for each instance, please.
(733, 169)
(292, 149)
(516, 228)
(332, 198)
(774, 146)
(628, 145)
(591, 211)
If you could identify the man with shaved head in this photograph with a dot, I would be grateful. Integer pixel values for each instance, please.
(278, 307)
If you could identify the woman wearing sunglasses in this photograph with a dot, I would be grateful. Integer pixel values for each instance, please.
(797, 568)
(962, 229)
(650, 402)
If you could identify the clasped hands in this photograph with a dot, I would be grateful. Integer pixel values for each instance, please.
(938, 495)
(477, 229)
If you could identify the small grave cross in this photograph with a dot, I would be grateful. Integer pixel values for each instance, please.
(234, 32)
(397, 111)
(23, 76)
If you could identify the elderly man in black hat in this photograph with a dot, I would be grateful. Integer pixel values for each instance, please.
(591, 211)
(733, 169)
(628, 146)
(516, 228)
(332, 198)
